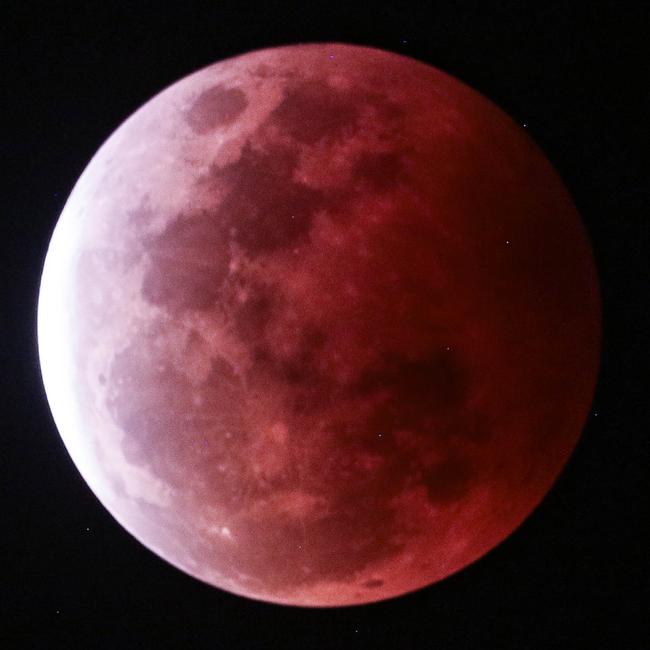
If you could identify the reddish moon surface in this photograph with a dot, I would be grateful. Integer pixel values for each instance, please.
(319, 325)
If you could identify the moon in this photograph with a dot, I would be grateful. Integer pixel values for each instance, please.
(319, 325)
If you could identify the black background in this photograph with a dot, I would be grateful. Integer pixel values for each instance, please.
(573, 576)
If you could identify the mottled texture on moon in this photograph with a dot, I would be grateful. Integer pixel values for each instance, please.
(319, 325)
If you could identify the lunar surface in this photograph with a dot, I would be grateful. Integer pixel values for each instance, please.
(319, 325)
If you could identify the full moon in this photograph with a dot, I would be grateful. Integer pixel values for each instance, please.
(319, 325)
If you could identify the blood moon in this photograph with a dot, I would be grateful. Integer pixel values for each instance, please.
(319, 325)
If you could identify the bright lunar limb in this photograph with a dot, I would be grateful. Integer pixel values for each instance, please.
(319, 325)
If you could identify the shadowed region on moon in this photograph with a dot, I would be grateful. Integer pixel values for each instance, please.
(215, 107)
(330, 326)
(189, 263)
(311, 111)
(264, 207)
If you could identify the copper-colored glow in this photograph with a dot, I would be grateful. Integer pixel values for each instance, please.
(319, 325)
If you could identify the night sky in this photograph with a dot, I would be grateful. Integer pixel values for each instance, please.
(574, 575)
